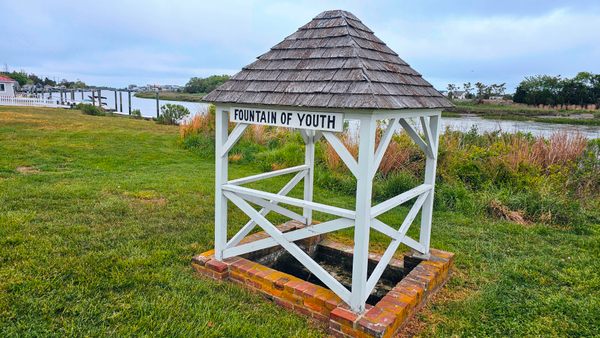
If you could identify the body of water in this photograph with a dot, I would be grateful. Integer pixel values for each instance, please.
(462, 123)
(466, 122)
(146, 106)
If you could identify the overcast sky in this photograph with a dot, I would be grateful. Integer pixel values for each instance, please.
(115, 43)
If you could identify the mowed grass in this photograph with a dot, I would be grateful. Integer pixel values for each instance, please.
(100, 216)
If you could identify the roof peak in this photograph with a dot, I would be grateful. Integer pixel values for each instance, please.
(333, 61)
(336, 13)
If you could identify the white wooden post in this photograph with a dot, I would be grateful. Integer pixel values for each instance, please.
(366, 156)
(221, 170)
(430, 169)
(309, 161)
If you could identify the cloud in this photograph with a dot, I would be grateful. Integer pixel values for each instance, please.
(498, 48)
(120, 42)
(495, 37)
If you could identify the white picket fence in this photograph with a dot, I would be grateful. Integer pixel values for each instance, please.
(30, 101)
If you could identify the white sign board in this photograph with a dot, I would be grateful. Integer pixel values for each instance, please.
(290, 119)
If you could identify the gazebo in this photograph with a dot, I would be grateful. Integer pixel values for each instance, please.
(331, 70)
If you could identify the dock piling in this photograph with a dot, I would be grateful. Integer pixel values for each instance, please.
(157, 105)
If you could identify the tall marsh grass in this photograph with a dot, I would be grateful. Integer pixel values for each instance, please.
(514, 176)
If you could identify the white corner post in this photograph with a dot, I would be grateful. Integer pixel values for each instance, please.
(309, 162)
(362, 225)
(431, 128)
(221, 170)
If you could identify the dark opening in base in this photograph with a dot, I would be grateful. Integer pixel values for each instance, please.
(337, 262)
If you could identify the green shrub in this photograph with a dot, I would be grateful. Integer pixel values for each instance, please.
(172, 114)
(90, 109)
(205, 146)
(136, 113)
(340, 182)
(288, 155)
(549, 209)
(246, 150)
(456, 197)
(395, 184)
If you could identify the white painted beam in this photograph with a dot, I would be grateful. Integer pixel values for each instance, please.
(221, 171)
(269, 174)
(396, 241)
(245, 230)
(364, 190)
(414, 135)
(402, 198)
(292, 248)
(296, 235)
(309, 162)
(431, 144)
(430, 170)
(273, 207)
(342, 151)
(384, 143)
(292, 201)
(235, 135)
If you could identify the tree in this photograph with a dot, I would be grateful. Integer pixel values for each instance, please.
(468, 87)
(451, 88)
(481, 90)
(172, 113)
(21, 78)
(582, 89)
(205, 85)
(49, 82)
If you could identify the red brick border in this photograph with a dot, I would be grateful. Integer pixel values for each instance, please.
(325, 307)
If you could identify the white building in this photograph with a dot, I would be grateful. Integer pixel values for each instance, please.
(7, 86)
(459, 95)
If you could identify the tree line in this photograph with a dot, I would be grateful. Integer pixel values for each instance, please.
(477, 91)
(583, 89)
(24, 78)
(205, 85)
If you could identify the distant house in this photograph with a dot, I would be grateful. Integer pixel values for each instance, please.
(459, 95)
(7, 86)
(496, 98)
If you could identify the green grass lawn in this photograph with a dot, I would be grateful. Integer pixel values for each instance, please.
(100, 216)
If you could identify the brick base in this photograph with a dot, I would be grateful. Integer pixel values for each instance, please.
(384, 319)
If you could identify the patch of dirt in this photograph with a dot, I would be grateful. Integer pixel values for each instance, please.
(147, 197)
(426, 317)
(27, 170)
(154, 201)
(499, 210)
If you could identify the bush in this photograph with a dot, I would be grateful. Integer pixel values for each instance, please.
(456, 197)
(90, 109)
(136, 114)
(172, 114)
(203, 123)
(395, 184)
(288, 155)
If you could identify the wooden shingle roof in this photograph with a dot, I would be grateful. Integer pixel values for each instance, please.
(334, 61)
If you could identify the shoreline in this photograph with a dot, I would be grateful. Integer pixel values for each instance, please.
(518, 113)
(171, 96)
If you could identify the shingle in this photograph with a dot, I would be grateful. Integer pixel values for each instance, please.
(334, 61)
